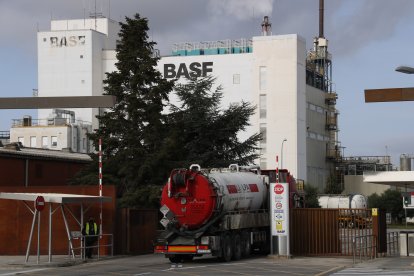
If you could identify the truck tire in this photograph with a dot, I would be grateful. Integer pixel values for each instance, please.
(176, 259)
(237, 248)
(246, 246)
(227, 250)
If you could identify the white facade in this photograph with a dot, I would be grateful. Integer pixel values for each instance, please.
(52, 134)
(71, 61)
(272, 78)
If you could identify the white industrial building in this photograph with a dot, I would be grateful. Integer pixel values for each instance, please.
(290, 87)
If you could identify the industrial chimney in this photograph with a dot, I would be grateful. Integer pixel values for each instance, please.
(321, 17)
(266, 26)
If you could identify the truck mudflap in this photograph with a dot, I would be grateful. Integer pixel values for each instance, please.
(182, 249)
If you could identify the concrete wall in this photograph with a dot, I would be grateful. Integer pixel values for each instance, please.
(354, 185)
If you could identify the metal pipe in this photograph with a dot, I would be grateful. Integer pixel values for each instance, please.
(26, 174)
(67, 231)
(50, 232)
(321, 11)
(31, 235)
(38, 237)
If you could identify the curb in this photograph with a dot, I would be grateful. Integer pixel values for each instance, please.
(332, 270)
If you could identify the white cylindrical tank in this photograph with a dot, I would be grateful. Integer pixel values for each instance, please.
(356, 201)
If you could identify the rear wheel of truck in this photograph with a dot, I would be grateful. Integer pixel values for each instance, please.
(187, 257)
(237, 249)
(246, 246)
(176, 259)
(227, 251)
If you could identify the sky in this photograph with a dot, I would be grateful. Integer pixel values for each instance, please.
(368, 39)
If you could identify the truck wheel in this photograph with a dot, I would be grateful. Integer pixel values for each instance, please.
(176, 259)
(187, 257)
(227, 251)
(237, 247)
(246, 246)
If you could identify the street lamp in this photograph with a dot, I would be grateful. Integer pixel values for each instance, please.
(405, 69)
(281, 154)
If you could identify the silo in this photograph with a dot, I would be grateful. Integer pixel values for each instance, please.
(405, 162)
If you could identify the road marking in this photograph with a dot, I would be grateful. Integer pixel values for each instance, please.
(372, 271)
(24, 271)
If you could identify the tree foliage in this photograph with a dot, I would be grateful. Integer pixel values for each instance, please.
(206, 134)
(311, 197)
(390, 201)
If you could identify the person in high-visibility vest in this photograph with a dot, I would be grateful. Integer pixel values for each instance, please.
(90, 231)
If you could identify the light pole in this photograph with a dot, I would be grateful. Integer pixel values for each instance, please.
(281, 154)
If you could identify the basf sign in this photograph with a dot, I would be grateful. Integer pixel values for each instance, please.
(194, 69)
(279, 208)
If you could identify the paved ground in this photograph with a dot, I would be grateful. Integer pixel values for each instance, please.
(157, 265)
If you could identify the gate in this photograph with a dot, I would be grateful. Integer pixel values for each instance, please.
(136, 230)
(328, 232)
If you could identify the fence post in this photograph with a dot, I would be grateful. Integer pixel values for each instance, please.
(354, 248)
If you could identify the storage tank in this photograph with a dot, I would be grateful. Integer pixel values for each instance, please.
(405, 162)
(356, 201)
(195, 197)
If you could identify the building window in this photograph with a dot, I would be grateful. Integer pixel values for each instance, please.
(263, 163)
(84, 143)
(262, 77)
(54, 141)
(45, 141)
(81, 56)
(33, 141)
(20, 140)
(263, 131)
(236, 79)
(44, 39)
(262, 106)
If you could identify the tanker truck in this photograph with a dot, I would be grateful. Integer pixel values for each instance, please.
(219, 212)
(353, 210)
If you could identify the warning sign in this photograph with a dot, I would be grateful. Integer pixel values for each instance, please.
(279, 189)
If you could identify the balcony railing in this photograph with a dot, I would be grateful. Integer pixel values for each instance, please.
(29, 122)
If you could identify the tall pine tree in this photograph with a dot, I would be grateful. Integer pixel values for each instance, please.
(132, 131)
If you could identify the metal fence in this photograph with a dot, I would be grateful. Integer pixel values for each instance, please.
(100, 244)
(364, 247)
(393, 248)
(327, 232)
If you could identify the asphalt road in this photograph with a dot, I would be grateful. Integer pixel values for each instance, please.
(158, 265)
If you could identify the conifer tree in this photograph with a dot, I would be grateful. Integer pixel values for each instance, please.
(206, 133)
(132, 131)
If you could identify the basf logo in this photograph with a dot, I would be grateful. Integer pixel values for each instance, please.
(194, 69)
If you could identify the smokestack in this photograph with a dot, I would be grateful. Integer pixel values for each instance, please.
(266, 26)
(321, 10)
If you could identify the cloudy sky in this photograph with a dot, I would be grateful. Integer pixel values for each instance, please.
(367, 38)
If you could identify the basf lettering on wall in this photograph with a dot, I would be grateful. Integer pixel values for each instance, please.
(70, 41)
(195, 69)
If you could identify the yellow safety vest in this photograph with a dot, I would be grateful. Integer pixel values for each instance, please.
(95, 228)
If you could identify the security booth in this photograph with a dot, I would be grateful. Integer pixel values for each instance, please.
(36, 203)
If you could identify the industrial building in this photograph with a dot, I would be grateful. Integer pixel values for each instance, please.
(292, 88)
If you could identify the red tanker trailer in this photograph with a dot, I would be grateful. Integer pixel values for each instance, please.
(218, 212)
